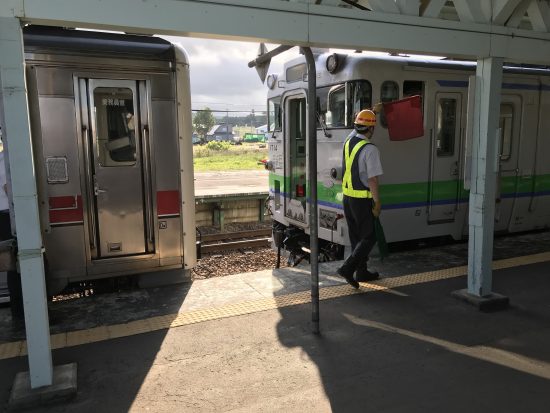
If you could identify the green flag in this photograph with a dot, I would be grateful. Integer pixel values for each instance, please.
(381, 239)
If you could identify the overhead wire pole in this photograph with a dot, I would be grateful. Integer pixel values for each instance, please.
(262, 63)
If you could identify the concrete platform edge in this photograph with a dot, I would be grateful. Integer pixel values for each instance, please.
(492, 302)
(64, 387)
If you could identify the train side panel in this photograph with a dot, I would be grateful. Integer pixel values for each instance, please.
(422, 189)
(53, 120)
(516, 176)
(167, 172)
(540, 204)
(105, 136)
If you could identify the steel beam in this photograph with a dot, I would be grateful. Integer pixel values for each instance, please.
(23, 186)
(284, 22)
(484, 174)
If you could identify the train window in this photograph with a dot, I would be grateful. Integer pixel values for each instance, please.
(389, 91)
(297, 121)
(336, 113)
(274, 114)
(505, 125)
(413, 88)
(446, 126)
(322, 99)
(360, 93)
(115, 126)
(296, 73)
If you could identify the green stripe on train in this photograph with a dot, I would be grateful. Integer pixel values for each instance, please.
(418, 191)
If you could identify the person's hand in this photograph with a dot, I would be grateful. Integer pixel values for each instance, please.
(377, 108)
(376, 208)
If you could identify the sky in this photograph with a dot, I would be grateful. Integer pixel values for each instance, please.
(220, 76)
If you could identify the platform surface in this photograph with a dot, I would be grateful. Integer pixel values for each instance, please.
(243, 343)
(231, 182)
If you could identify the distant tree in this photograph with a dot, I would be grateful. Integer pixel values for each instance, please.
(203, 122)
(247, 120)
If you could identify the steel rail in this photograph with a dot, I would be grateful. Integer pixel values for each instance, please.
(236, 235)
(235, 245)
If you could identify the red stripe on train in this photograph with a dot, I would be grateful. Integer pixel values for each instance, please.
(66, 209)
(168, 202)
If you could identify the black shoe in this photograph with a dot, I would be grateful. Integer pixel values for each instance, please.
(342, 272)
(366, 275)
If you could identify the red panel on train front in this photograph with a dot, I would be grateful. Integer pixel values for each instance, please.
(404, 118)
(168, 203)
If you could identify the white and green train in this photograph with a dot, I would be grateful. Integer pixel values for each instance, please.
(422, 189)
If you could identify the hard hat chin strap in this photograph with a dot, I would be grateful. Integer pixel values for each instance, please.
(364, 130)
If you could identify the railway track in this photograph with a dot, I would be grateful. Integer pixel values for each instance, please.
(227, 241)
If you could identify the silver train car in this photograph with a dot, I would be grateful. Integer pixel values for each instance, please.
(423, 187)
(112, 139)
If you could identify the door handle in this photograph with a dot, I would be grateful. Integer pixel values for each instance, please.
(97, 189)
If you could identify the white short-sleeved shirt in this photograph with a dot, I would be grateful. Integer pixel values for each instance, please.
(369, 162)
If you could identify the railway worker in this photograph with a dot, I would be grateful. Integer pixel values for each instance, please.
(361, 168)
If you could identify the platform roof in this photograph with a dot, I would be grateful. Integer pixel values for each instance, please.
(517, 30)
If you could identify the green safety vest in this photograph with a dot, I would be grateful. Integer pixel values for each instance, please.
(347, 185)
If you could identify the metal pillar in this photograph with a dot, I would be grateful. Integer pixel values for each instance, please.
(262, 62)
(312, 159)
(23, 186)
(484, 167)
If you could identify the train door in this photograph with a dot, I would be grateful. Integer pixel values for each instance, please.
(507, 176)
(444, 184)
(296, 161)
(113, 115)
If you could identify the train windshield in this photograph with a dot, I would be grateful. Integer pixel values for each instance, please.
(337, 105)
(360, 97)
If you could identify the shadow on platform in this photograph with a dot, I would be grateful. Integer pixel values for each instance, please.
(115, 367)
(427, 352)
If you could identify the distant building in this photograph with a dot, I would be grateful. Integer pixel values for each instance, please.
(241, 130)
(261, 129)
(222, 132)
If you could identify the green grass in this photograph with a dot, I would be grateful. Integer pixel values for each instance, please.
(240, 157)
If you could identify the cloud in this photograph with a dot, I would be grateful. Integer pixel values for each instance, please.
(220, 76)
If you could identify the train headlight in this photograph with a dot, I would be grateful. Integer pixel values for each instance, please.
(334, 62)
(271, 81)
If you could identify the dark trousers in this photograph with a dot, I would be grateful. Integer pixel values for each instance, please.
(360, 220)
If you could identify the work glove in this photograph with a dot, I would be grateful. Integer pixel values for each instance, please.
(377, 108)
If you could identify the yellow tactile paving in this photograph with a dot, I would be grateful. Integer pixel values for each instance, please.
(58, 340)
(9, 350)
(74, 338)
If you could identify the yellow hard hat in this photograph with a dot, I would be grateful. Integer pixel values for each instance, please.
(366, 118)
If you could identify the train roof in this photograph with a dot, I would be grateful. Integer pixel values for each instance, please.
(39, 38)
(356, 59)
